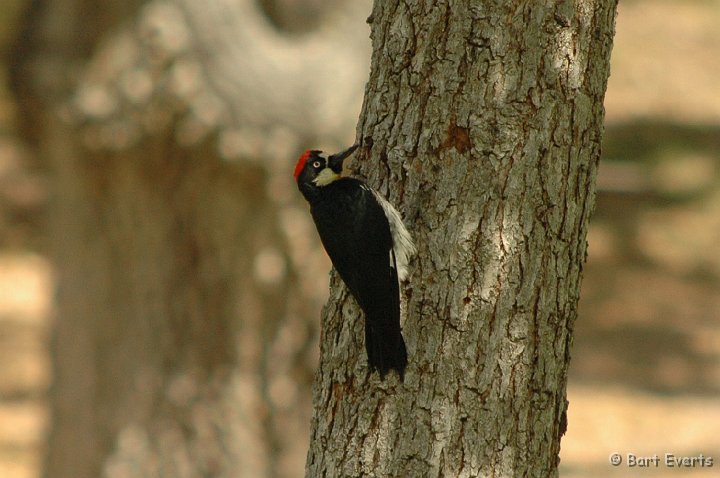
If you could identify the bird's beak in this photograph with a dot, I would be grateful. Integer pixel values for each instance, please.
(335, 162)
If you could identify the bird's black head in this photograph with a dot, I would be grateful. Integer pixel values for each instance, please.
(314, 171)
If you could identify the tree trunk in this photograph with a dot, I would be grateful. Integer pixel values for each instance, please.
(482, 123)
(187, 302)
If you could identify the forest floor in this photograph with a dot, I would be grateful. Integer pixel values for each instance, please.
(645, 371)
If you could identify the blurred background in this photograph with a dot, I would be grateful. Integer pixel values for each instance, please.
(645, 371)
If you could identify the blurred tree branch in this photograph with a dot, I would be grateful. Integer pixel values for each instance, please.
(189, 281)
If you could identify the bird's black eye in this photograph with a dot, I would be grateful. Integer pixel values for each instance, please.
(316, 164)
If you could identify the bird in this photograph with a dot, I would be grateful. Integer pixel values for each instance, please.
(368, 245)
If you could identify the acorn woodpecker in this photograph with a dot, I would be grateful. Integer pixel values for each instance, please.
(369, 246)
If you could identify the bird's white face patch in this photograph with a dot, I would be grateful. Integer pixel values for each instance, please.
(325, 177)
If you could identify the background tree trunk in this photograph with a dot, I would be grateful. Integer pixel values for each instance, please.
(482, 122)
(185, 337)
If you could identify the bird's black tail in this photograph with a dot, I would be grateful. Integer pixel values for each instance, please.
(385, 346)
(383, 340)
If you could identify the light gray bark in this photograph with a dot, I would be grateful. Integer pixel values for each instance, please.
(482, 123)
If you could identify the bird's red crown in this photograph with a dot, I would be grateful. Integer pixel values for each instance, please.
(301, 163)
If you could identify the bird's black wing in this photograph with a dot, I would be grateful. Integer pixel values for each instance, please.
(356, 235)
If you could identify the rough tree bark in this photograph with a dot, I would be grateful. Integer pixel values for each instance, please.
(187, 305)
(482, 122)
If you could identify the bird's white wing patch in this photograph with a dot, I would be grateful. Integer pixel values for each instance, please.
(402, 240)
